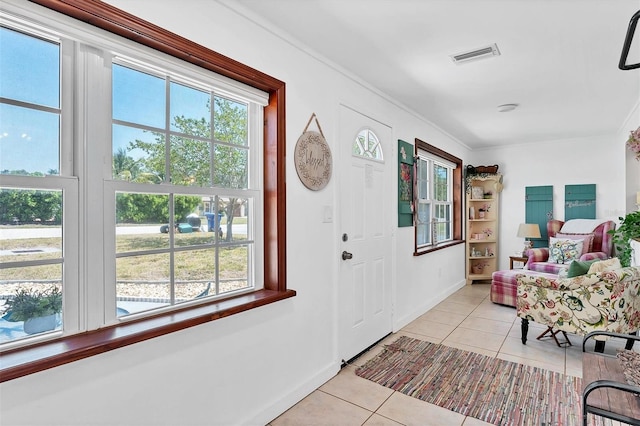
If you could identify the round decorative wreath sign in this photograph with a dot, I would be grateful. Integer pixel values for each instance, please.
(313, 162)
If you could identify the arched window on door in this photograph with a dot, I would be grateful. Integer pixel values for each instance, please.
(367, 145)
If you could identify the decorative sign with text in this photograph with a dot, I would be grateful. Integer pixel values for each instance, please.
(312, 158)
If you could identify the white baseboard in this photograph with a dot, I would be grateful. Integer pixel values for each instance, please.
(399, 323)
(286, 400)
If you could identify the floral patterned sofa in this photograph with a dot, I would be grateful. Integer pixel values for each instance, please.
(601, 301)
(597, 244)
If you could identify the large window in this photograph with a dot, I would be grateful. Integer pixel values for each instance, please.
(437, 198)
(174, 245)
(132, 184)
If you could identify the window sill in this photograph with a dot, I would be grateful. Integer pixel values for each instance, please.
(32, 359)
(438, 247)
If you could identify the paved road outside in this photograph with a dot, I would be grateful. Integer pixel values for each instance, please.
(55, 231)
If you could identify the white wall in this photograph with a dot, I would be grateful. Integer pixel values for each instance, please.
(238, 370)
(597, 160)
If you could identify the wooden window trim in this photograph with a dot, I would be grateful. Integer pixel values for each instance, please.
(52, 353)
(19, 362)
(457, 199)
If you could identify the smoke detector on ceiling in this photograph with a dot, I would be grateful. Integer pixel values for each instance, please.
(507, 107)
(473, 55)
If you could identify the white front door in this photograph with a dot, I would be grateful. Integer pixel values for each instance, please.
(365, 219)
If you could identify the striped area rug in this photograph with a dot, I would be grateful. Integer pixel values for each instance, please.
(490, 389)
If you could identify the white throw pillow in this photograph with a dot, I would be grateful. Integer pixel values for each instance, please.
(605, 265)
(587, 240)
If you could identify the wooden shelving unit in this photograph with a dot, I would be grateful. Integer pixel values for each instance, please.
(483, 196)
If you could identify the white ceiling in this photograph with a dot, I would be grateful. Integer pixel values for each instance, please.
(559, 60)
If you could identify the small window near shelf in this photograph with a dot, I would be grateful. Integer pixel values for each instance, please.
(438, 205)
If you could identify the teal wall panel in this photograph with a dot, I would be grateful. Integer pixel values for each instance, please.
(539, 209)
(580, 201)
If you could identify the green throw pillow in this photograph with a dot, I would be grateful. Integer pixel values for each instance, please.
(578, 267)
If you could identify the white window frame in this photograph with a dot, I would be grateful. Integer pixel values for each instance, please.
(363, 151)
(85, 175)
(430, 160)
(65, 181)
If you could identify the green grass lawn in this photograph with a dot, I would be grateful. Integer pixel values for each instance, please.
(196, 263)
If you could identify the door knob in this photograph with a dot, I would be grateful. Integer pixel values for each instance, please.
(346, 255)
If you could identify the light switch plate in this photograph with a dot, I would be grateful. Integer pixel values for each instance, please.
(327, 214)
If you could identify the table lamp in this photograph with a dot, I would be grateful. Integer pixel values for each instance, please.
(528, 230)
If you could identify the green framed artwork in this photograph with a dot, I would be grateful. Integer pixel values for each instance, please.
(405, 184)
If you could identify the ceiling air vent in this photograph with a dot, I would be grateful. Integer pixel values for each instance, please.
(473, 55)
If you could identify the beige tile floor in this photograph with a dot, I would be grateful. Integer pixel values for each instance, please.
(466, 320)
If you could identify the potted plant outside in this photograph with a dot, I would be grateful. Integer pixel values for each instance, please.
(628, 230)
(39, 309)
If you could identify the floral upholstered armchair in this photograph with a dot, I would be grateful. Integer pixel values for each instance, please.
(602, 301)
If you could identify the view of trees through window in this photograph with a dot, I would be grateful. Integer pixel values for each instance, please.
(196, 250)
(434, 202)
(179, 205)
(31, 250)
(367, 145)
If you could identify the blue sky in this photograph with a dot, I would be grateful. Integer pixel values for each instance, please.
(140, 98)
(33, 147)
(30, 73)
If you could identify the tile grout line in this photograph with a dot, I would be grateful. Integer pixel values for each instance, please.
(458, 326)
